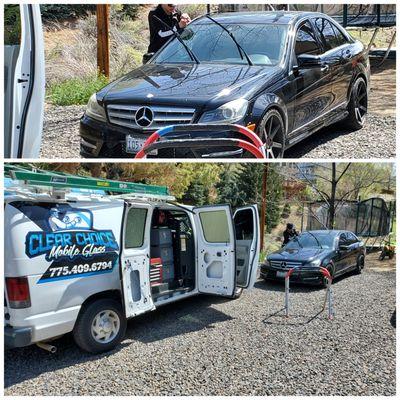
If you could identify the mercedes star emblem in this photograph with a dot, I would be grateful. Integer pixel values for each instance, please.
(144, 117)
(283, 264)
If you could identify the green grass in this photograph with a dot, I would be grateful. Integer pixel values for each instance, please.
(75, 91)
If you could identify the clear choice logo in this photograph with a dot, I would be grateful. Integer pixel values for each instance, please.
(69, 244)
(73, 253)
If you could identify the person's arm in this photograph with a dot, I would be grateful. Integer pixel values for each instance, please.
(157, 28)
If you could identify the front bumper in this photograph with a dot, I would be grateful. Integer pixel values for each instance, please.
(104, 140)
(17, 337)
(303, 276)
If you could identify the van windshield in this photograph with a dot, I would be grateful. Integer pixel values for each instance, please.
(264, 43)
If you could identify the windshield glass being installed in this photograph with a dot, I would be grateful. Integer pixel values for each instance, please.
(308, 240)
(264, 44)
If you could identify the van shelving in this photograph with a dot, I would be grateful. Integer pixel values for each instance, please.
(87, 260)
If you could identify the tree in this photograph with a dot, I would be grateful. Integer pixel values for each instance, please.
(241, 184)
(337, 183)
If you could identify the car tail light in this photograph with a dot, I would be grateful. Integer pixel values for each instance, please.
(18, 292)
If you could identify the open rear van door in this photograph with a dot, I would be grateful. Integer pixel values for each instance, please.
(247, 235)
(135, 260)
(215, 250)
(24, 84)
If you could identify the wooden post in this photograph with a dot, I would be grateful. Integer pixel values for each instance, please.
(103, 39)
(263, 204)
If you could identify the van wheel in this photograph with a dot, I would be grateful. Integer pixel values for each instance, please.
(100, 326)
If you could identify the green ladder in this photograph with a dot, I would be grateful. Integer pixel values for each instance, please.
(36, 177)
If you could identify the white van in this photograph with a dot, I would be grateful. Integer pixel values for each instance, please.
(86, 263)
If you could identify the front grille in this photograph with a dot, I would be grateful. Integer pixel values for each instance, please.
(287, 265)
(124, 115)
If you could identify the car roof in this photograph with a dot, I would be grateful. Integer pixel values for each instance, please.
(261, 17)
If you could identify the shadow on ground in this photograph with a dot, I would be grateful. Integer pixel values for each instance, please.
(193, 314)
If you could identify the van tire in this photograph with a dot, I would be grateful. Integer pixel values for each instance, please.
(82, 332)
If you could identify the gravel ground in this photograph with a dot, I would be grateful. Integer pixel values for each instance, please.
(376, 140)
(212, 346)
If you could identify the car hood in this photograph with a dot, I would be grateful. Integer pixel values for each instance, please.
(184, 84)
(301, 255)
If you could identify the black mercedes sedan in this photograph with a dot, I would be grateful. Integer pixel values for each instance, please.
(286, 74)
(337, 251)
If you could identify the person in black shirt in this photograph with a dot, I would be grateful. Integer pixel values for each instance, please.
(289, 233)
(159, 33)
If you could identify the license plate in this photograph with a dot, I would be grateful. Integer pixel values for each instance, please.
(134, 145)
(280, 274)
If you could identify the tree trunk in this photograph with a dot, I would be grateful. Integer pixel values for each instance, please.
(331, 222)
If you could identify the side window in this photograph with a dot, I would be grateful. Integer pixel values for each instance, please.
(306, 42)
(351, 238)
(215, 226)
(135, 227)
(342, 239)
(244, 229)
(340, 38)
(12, 24)
(327, 33)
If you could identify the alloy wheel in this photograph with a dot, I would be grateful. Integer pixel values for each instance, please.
(271, 134)
(105, 326)
(361, 101)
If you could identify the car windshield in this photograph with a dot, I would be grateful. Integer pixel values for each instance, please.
(311, 240)
(264, 43)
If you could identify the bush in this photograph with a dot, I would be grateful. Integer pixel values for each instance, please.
(75, 91)
(12, 24)
(60, 12)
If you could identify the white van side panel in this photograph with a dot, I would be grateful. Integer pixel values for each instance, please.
(89, 235)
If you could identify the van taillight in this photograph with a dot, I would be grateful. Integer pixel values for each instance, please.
(18, 292)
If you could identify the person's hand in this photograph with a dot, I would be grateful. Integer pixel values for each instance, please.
(184, 21)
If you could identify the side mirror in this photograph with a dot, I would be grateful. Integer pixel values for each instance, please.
(147, 57)
(308, 61)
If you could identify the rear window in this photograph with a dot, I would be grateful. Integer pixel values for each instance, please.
(215, 226)
(135, 227)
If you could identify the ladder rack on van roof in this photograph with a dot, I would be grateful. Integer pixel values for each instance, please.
(62, 182)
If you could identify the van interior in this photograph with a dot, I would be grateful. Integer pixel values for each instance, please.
(172, 254)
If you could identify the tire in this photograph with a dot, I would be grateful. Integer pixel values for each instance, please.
(271, 131)
(358, 105)
(360, 265)
(108, 312)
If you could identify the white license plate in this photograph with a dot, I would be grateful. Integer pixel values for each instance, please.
(280, 274)
(134, 145)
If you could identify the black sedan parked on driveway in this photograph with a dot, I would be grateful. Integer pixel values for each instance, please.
(337, 251)
(287, 73)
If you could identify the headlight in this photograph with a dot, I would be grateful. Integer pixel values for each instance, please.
(95, 110)
(315, 263)
(230, 112)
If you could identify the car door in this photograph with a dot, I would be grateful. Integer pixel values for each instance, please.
(135, 260)
(313, 91)
(338, 55)
(344, 250)
(24, 86)
(216, 266)
(354, 249)
(247, 240)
